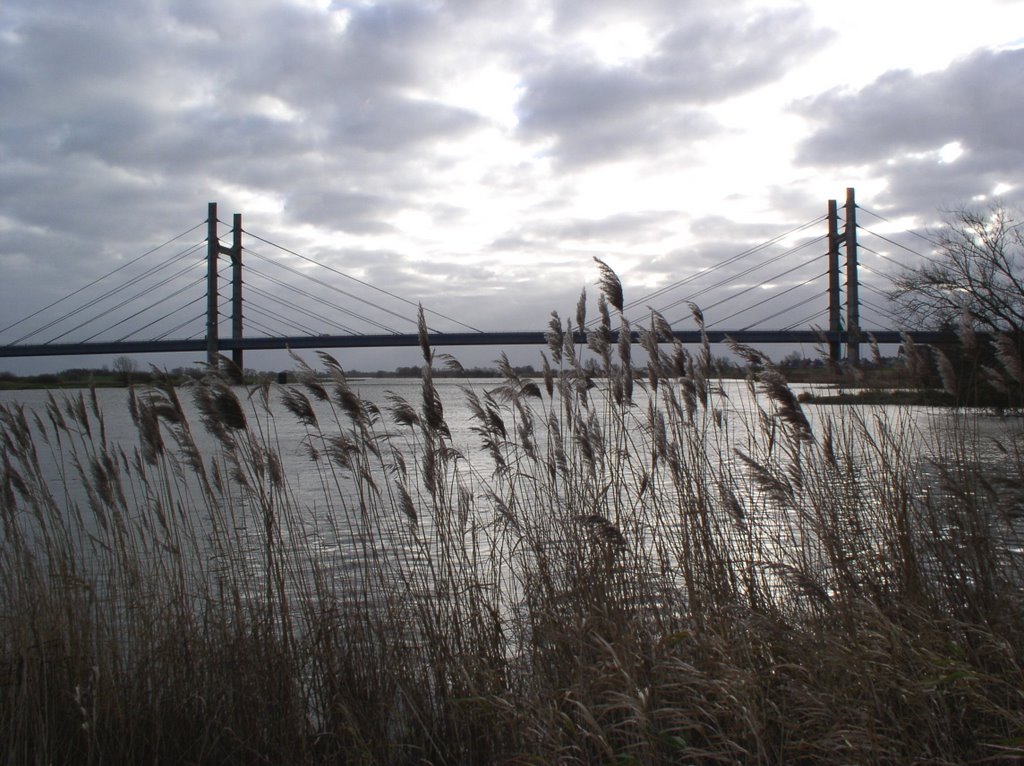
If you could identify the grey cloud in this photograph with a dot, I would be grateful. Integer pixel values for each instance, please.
(797, 196)
(571, 15)
(602, 116)
(340, 209)
(385, 49)
(642, 226)
(715, 58)
(895, 126)
(392, 124)
(975, 101)
(723, 229)
(511, 242)
(599, 113)
(916, 186)
(134, 108)
(456, 273)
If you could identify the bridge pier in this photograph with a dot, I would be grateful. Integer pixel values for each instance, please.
(852, 282)
(214, 249)
(212, 254)
(835, 323)
(848, 240)
(235, 253)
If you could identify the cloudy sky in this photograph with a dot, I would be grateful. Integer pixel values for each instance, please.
(475, 155)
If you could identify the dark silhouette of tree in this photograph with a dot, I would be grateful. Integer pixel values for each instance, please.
(125, 368)
(977, 275)
(975, 281)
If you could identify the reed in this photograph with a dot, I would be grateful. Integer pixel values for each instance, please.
(624, 568)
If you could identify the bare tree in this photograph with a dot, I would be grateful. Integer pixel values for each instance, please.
(125, 368)
(977, 272)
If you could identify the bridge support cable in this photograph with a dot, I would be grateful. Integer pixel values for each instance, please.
(917, 234)
(145, 292)
(140, 312)
(99, 279)
(892, 320)
(287, 322)
(160, 319)
(806, 321)
(894, 243)
(730, 298)
(339, 291)
(872, 288)
(786, 310)
(298, 309)
(862, 247)
(364, 284)
(769, 299)
(105, 313)
(646, 299)
(752, 269)
(888, 278)
(109, 294)
(733, 277)
(317, 298)
(195, 319)
(268, 331)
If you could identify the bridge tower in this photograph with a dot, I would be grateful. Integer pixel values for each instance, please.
(835, 322)
(214, 249)
(852, 283)
(848, 240)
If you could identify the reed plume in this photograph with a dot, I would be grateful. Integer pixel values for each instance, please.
(697, 570)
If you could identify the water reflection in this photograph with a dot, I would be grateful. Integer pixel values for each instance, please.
(345, 522)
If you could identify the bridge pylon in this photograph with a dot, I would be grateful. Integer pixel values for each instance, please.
(835, 322)
(852, 282)
(847, 240)
(214, 249)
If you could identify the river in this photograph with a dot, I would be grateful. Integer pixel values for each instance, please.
(327, 508)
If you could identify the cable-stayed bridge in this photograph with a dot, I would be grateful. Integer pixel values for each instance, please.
(173, 299)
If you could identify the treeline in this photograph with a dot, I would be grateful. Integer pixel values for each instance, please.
(103, 377)
(872, 373)
(76, 377)
(795, 367)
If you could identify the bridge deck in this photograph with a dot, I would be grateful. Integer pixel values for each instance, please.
(440, 340)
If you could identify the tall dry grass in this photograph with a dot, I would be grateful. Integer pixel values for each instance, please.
(624, 569)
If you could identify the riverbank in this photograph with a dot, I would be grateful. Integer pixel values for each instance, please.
(920, 397)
